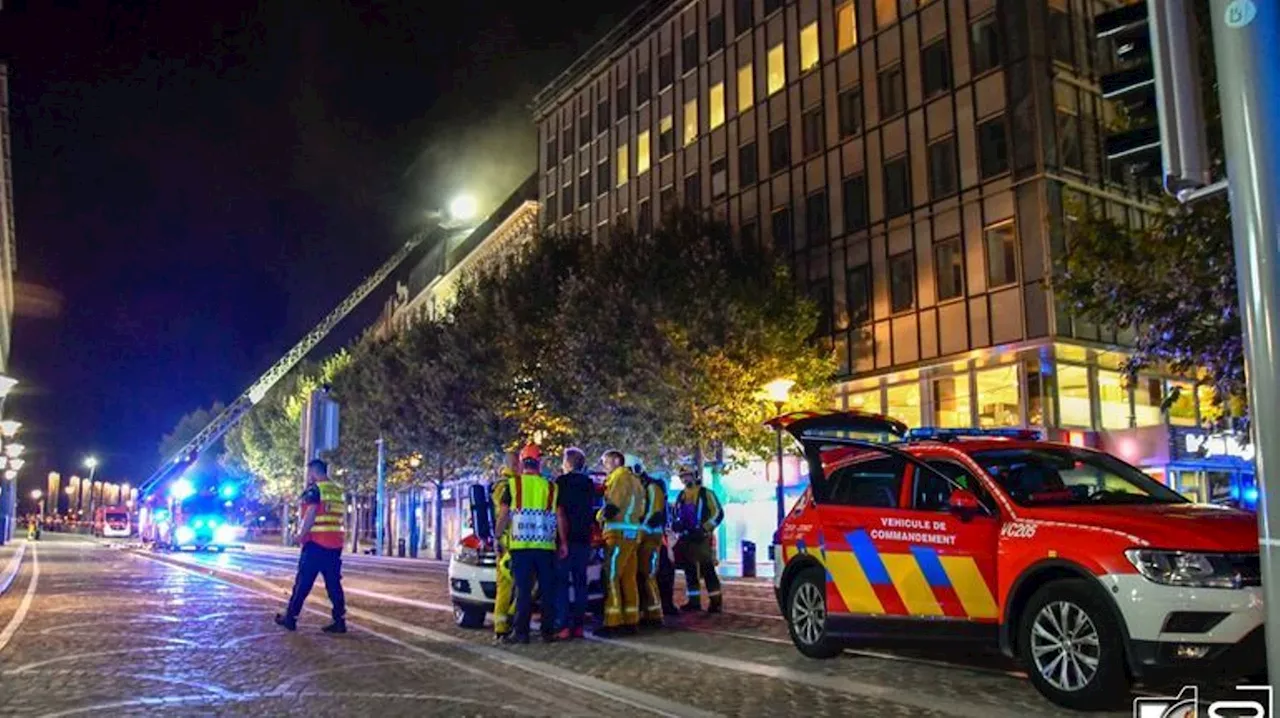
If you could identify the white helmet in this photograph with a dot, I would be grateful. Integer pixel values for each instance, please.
(634, 463)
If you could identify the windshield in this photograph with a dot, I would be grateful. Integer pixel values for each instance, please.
(1066, 476)
(117, 517)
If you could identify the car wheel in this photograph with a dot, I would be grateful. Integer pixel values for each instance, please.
(1071, 647)
(468, 617)
(807, 615)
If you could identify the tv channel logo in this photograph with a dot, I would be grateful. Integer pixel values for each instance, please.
(1252, 702)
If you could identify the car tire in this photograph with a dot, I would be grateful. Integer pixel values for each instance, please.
(1094, 677)
(468, 617)
(806, 615)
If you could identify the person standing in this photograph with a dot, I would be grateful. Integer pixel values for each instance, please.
(575, 494)
(504, 599)
(322, 537)
(530, 514)
(620, 521)
(653, 528)
(697, 515)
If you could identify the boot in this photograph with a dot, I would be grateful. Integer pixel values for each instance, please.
(692, 606)
(338, 626)
(715, 607)
(289, 623)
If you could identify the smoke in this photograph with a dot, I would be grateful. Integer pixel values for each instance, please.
(486, 154)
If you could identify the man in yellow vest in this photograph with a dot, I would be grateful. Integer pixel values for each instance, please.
(322, 537)
(620, 520)
(504, 601)
(529, 514)
(697, 514)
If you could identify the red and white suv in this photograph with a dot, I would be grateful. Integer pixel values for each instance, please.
(1082, 567)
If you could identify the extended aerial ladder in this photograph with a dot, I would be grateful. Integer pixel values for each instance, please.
(235, 411)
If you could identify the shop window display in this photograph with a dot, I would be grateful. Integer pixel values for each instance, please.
(1113, 400)
(998, 403)
(952, 404)
(1073, 395)
(904, 403)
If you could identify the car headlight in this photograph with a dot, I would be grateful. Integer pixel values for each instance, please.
(184, 534)
(468, 555)
(224, 534)
(1185, 568)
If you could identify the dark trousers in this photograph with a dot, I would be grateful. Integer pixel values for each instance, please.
(571, 574)
(698, 563)
(317, 560)
(666, 580)
(527, 566)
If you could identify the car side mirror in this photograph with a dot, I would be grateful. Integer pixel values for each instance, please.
(964, 503)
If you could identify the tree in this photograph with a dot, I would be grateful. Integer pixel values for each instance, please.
(1173, 282)
(186, 429)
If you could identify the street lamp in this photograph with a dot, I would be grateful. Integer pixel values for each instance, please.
(91, 463)
(16, 464)
(6, 385)
(777, 391)
(9, 428)
(13, 451)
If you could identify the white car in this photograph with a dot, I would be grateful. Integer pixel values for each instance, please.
(473, 582)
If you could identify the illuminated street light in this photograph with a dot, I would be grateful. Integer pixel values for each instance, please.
(11, 474)
(462, 208)
(71, 491)
(6, 385)
(36, 494)
(13, 451)
(181, 490)
(16, 464)
(9, 428)
(778, 391)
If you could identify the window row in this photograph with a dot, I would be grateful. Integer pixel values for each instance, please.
(935, 77)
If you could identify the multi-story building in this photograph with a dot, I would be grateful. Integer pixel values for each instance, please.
(431, 287)
(917, 160)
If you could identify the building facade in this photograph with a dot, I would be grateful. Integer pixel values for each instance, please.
(918, 161)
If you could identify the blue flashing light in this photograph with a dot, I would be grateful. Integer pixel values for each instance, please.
(227, 491)
(198, 523)
(160, 515)
(184, 534)
(181, 490)
(1250, 496)
(936, 434)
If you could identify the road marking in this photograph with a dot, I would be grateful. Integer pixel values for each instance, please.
(245, 697)
(11, 571)
(29, 667)
(21, 614)
(604, 689)
(173, 680)
(287, 686)
(108, 620)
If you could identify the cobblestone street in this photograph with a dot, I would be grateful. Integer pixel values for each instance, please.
(88, 627)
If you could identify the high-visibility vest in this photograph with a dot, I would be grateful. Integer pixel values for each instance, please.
(330, 513)
(533, 513)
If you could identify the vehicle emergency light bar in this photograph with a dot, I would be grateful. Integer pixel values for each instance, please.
(934, 434)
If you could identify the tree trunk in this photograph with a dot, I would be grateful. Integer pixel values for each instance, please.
(437, 539)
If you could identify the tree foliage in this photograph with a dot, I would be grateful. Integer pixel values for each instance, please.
(1173, 282)
(657, 344)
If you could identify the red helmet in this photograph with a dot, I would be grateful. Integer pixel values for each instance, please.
(530, 451)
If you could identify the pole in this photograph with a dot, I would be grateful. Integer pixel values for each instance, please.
(1245, 34)
(781, 498)
(380, 518)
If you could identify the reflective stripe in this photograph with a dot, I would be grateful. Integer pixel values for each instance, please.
(331, 511)
(533, 519)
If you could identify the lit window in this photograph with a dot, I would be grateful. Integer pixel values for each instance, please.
(1113, 400)
(623, 165)
(1182, 411)
(1073, 396)
(846, 27)
(998, 403)
(886, 12)
(746, 88)
(666, 136)
(904, 403)
(809, 47)
(951, 401)
(1148, 393)
(715, 116)
(690, 121)
(777, 68)
(865, 401)
(642, 153)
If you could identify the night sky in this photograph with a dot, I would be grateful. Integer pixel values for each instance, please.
(202, 181)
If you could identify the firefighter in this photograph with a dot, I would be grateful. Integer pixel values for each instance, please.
(653, 528)
(322, 537)
(504, 601)
(620, 521)
(697, 514)
(528, 518)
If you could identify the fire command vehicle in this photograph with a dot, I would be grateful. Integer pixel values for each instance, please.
(1087, 571)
